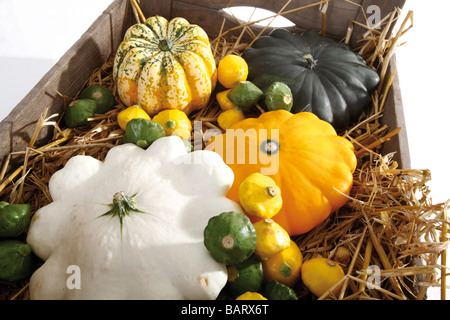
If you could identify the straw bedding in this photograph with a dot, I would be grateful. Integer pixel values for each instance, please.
(389, 230)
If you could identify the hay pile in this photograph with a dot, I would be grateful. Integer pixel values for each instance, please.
(389, 238)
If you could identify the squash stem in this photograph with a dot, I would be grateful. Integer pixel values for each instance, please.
(269, 146)
(165, 44)
(170, 124)
(311, 63)
(121, 207)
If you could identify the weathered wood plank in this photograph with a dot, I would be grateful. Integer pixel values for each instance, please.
(393, 116)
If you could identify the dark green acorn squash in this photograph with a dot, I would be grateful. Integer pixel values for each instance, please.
(325, 76)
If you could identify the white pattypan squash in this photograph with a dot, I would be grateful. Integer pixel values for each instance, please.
(132, 226)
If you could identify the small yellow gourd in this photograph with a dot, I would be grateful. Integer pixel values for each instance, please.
(251, 296)
(271, 238)
(320, 275)
(231, 70)
(224, 102)
(260, 196)
(133, 112)
(174, 122)
(284, 266)
(229, 117)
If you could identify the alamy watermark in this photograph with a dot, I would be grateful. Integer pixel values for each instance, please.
(373, 16)
(239, 146)
(374, 277)
(74, 279)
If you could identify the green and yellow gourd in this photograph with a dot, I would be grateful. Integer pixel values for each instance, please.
(164, 64)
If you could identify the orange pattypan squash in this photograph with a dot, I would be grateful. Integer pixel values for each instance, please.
(311, 164)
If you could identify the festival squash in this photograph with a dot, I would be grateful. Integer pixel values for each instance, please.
(325, 76)
(309, 162)
(163, 64)
(133, 225)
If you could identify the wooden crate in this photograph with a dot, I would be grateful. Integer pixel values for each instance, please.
(103, 37)
(101, 40)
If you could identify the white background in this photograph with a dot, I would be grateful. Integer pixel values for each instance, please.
(35, 34)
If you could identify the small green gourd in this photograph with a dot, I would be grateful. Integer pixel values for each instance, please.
(244, 276)
(78, 112)
(278, 96)
(275, 290)
(142, 132)
(245, 95)
(14, 219)
(104, 99)
(16, 261)
(230, 237)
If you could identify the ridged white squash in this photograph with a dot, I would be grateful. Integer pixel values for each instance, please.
(154, 251)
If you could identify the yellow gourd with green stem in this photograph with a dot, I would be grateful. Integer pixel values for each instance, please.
(174, 122)
(129, 113)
